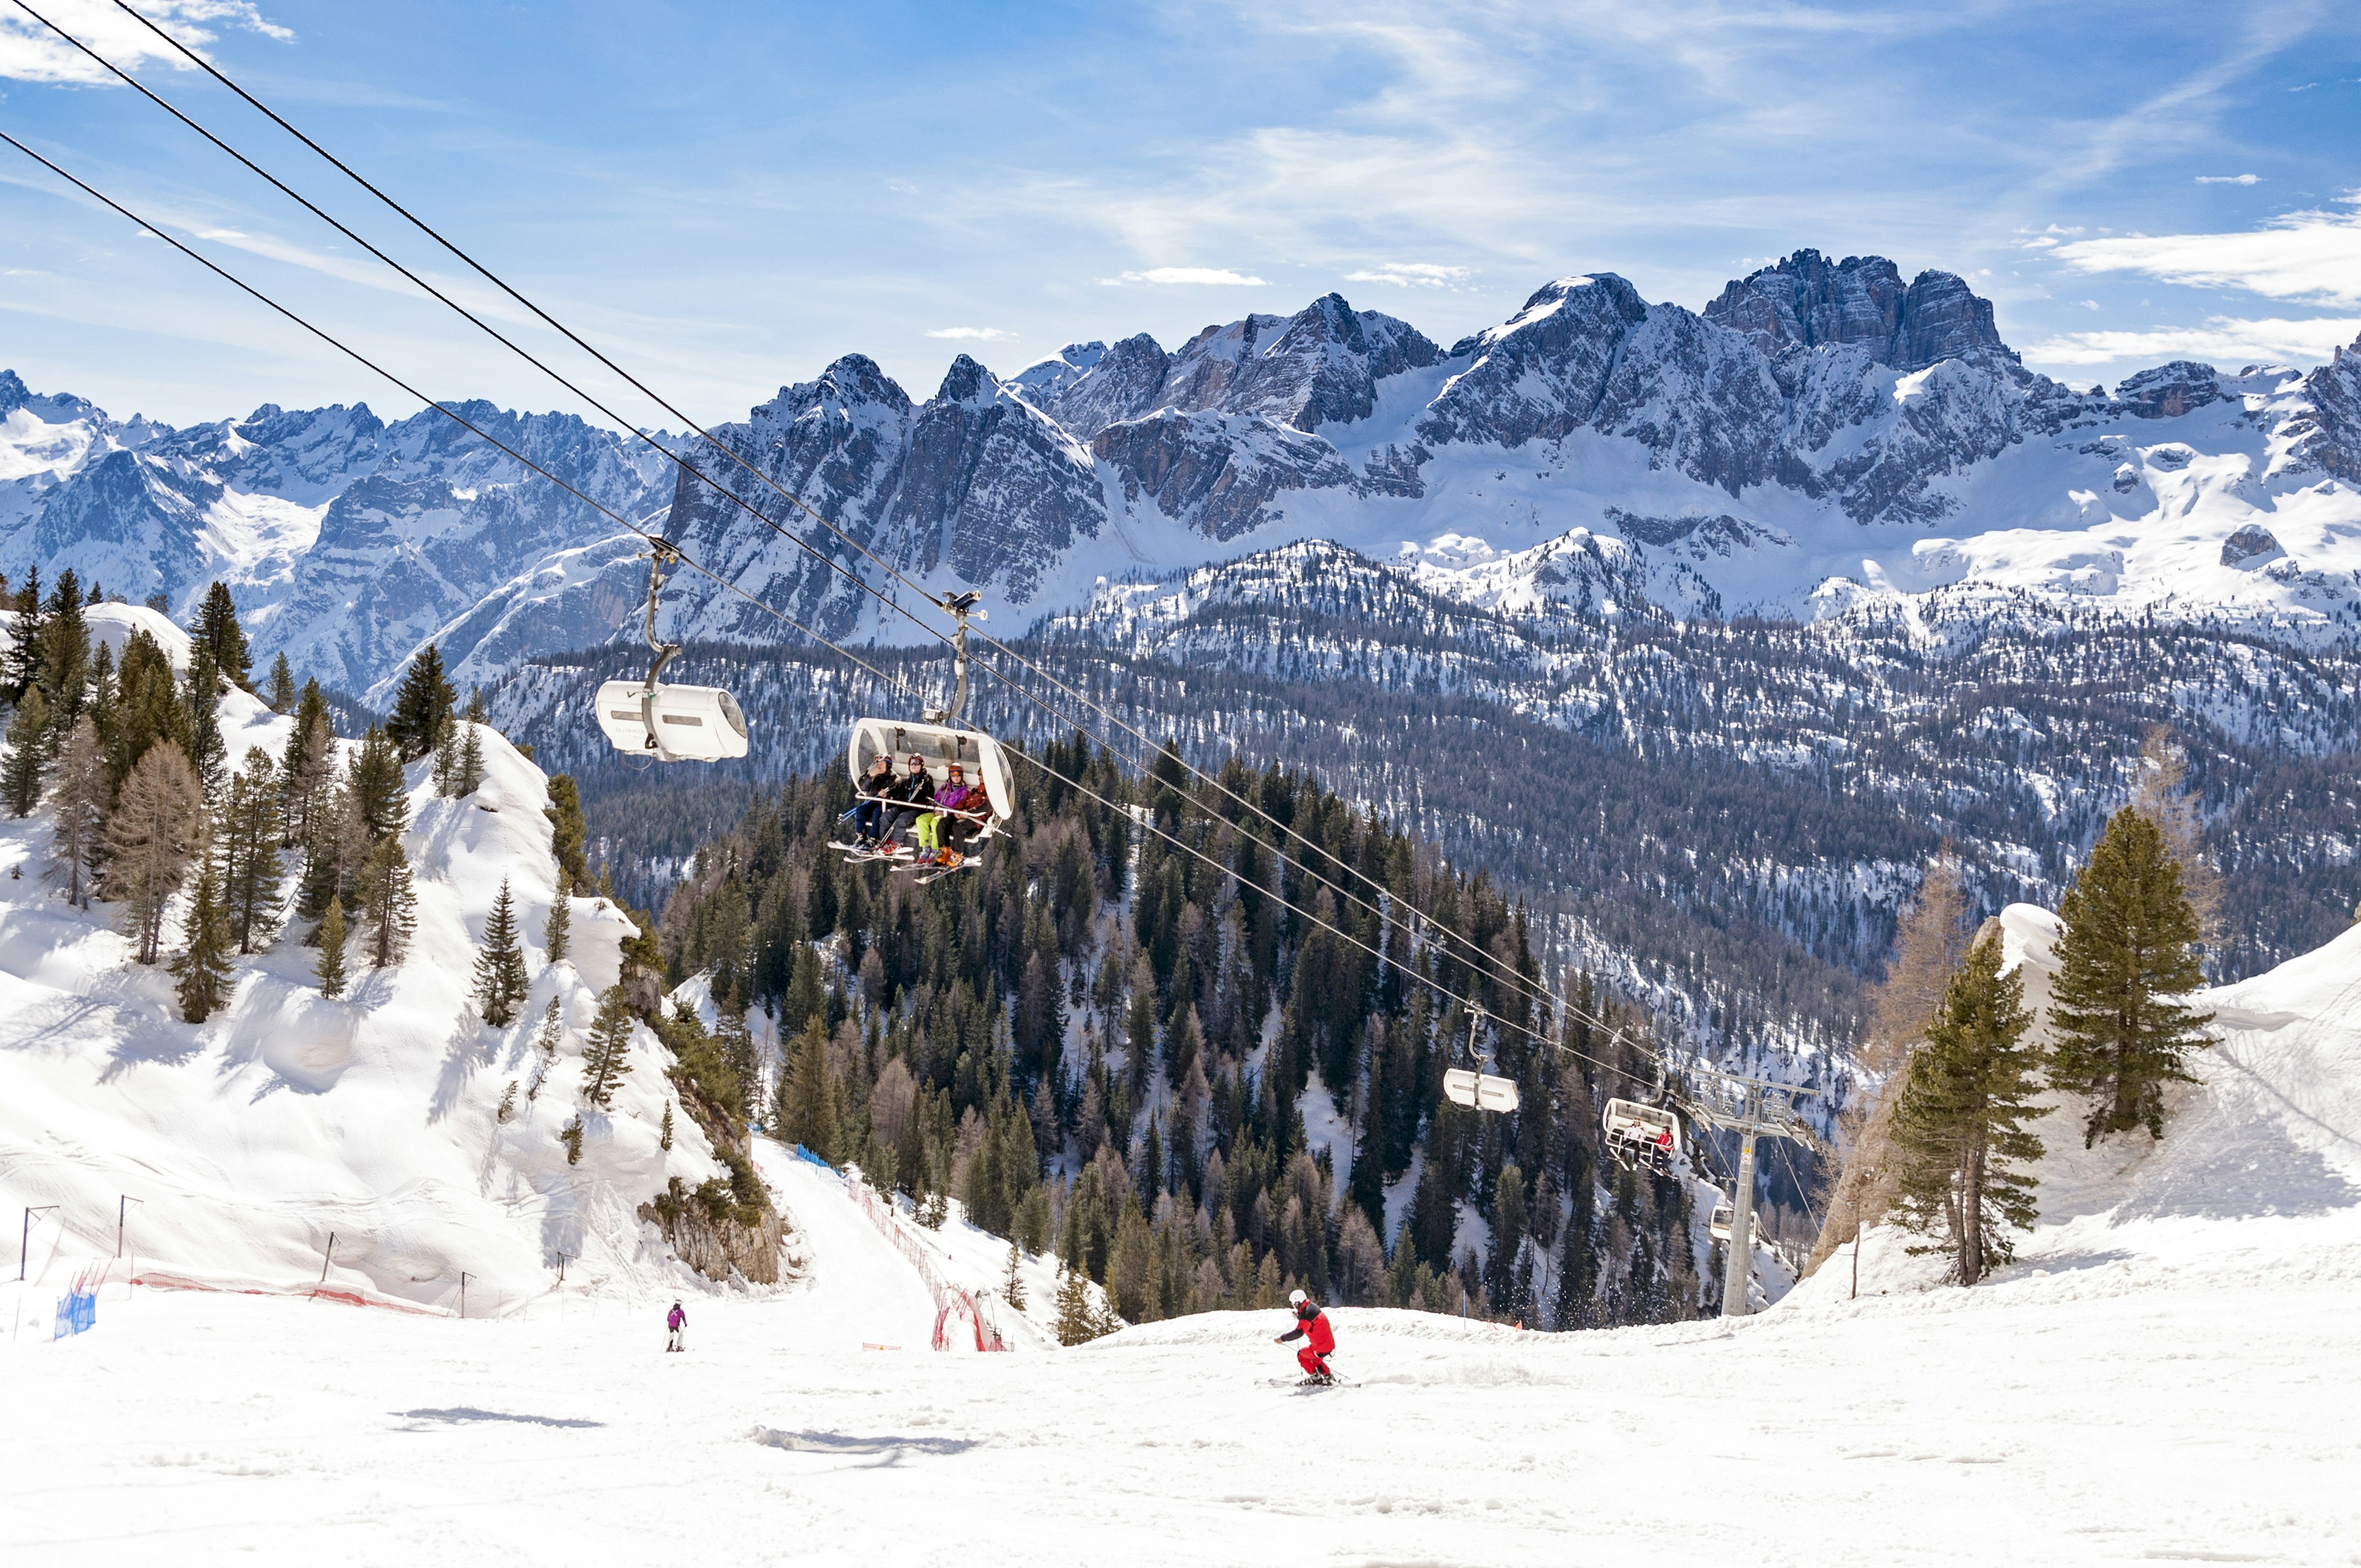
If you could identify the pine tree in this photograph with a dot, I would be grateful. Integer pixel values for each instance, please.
(29, 754)
(1012, 1279)
(470, 773)
(422, 707)
(571, 1137)
(446, 761)
(500, 979)
(281, 691)
(2124, 962)
(664, 1134)
(1959, 1126)
(25, 634)
(606, 1059)
(389, 907)
(309, 769)
(737, 1045)
(223, 640)
(808, 1109)
(1078, 1319)
(203, 704)
(332, 852)
(248, 838)
(79, 797)
(203, 968)
(150, 839)
(546, 1041)
(378, 790)
(147, 707)
(567, 835)
(557, 932)
(508, 1106)
(62, 667)
(331, 966)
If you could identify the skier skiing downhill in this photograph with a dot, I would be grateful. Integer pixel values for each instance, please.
(675, 1321)
(1319, 1339)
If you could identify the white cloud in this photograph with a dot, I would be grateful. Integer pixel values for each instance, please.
(2223, 340)
(2303, 256)
(1413, 275)
(980, 334)
(1222, 275)
(30, 52)
(2229, 179)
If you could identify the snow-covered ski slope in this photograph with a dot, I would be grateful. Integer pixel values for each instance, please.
(2172, 1372)
(245, 1142)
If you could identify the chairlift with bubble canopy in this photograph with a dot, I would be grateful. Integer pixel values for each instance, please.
(669, 724)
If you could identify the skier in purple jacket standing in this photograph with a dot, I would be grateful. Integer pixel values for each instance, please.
(675, 1321)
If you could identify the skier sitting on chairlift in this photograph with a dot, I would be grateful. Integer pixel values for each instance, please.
(943, 833)
(876, 797)
(1319, 1339)
(913, 795)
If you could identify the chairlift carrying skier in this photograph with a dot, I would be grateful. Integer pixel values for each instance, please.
(1319, 1339)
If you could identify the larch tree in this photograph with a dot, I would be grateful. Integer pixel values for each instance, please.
(389, 904)
(607, 1058)
(151, 838)
(247, 840)
(1959, 1127)
(422, 706)
(29, 754)
(2126, 962)
(1931, 943)
(203, 966)
(501, 979)
(331, 966)
(2162, 795)
(78, 797)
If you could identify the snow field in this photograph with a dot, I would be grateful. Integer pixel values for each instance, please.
(2116, 1417)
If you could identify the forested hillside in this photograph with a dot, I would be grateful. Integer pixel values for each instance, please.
(1147, 1052)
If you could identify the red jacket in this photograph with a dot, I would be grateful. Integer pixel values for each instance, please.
(1312, 1323)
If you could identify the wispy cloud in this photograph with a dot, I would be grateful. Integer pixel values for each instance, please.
(30, 52)
(2310, 255)
(973, 334)
(1222, 277)
(2223, 340)
(2228, 179)
(1413, 275)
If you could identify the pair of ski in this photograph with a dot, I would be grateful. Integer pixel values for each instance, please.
(903, 858)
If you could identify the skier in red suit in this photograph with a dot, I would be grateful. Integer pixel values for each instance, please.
(1319, 1339)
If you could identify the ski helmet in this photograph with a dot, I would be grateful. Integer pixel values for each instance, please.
(1296, 1298)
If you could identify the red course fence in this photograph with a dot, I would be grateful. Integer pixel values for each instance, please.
(948, 1297)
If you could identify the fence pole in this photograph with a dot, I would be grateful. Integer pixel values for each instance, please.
(1856, 1260)
(463, 1293)
(326, 1255)
(24, 1240)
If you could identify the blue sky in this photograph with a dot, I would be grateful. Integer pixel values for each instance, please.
(731, 195)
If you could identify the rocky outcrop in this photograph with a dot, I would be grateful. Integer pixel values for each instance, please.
(715, 1239)
(1218, 472)
(2333, 439)
(1807, 300)
(2169, 391)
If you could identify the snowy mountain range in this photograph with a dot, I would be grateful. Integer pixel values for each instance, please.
(1823, 435)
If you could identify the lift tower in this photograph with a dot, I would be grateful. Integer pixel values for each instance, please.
(1752, 1108)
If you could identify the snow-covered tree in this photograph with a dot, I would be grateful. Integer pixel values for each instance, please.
(546, 1041)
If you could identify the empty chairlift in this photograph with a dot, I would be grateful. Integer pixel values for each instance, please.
(669, 724)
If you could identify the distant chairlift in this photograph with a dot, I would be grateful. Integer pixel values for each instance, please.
(1475, 1087)
(1720, 1224)
(669, 724)
(1640, 1136)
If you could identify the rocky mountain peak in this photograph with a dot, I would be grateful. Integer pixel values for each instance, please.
(2335, 393)
(1809, 302)
(968, 384)
(13, 393)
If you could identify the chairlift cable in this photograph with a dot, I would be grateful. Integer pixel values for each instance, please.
(1487, 963)
(781, 616)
